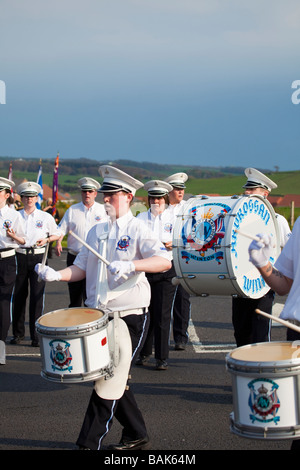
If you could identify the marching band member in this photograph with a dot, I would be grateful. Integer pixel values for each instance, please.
(131, 249)
(40, 229)
(283, 278)
(11, 236)
(161, 222)
(181, 304)
(80, 218)
(249, 327)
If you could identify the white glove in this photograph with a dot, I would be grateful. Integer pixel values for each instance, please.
(121, 267)
(46, 273)
(260, 251)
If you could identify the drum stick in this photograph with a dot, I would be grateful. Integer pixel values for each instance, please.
(44, 259)
(252, 237)
(247, 235)
(279, 320)
(94, 251)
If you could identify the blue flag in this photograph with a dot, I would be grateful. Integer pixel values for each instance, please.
(40, 182)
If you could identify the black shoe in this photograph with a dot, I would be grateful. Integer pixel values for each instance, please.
(161, 365)
(35, 343)
(142, 359)
(138, 444)
(180, 347)
(16, 339)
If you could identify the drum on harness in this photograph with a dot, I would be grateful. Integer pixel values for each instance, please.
(210, 255)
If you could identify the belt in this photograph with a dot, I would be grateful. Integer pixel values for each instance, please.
(7, 253)
(74, 253)
(124, 313)
(294, 322)
(31, 250)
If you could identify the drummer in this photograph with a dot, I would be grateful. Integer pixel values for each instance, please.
(181, 304)
(248, 326)
(131, 249)
(40, 229)
(161, 222)
(80, 218)
(283, 278)
(12, 235)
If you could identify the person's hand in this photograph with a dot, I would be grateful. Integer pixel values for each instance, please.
(260, 251)
(120, 268)
(58, 248)
(46, 273)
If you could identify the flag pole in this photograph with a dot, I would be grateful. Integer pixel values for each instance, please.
(55, 185)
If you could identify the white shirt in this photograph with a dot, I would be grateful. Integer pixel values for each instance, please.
(38, 225)
(288, 263)
(13, 219)
(162, 225)
(284, 229)
(80, 219)
(129, 239)
(177, 208)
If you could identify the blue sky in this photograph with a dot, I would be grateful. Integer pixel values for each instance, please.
(199, 82)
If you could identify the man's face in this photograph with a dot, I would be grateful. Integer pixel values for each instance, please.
(29, 202)
(117, 204)
(261, 191)
(176, 195)
(88, 197)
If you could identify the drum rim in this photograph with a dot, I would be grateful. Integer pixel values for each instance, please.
(93, 325)
(235, 364)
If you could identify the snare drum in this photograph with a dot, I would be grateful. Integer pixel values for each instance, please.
(74, 345)
(210, 256)
(266, 388)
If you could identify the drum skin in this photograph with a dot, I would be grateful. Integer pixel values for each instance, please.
(265, 388)
(211, 256)
(74, 345)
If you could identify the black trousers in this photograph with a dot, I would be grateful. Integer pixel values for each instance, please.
(100, 412)
(250, 327)
(27, 277)
(162, 295)
(77, 292)
(7, 282)
(181, 315)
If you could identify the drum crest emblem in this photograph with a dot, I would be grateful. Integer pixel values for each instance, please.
(205, 232)
(263, 401)
(60, 355)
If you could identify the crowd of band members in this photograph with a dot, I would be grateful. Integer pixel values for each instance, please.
(24, 237)
(35, 229)
(170, 305)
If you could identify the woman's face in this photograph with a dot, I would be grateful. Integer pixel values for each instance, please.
(157, 204)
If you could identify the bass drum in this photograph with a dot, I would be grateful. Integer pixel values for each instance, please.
(211, 255)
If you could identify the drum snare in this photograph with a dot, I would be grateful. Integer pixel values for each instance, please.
(266, 390)
(74, 345)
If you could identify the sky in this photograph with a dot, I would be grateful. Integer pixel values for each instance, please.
(192, 82)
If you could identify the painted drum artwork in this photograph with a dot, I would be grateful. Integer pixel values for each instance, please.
(74, 345)
(265, 388)
(210, 255)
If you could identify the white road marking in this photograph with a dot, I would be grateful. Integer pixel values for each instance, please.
(200, 348)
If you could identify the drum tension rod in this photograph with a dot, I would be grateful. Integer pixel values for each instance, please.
(222, 246)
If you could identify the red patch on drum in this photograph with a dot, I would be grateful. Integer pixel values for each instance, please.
(89, 311)
(103, 341)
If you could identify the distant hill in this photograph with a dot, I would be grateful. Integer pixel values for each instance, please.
(202, 180)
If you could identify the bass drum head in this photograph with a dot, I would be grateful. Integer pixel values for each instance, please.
(211, 256)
